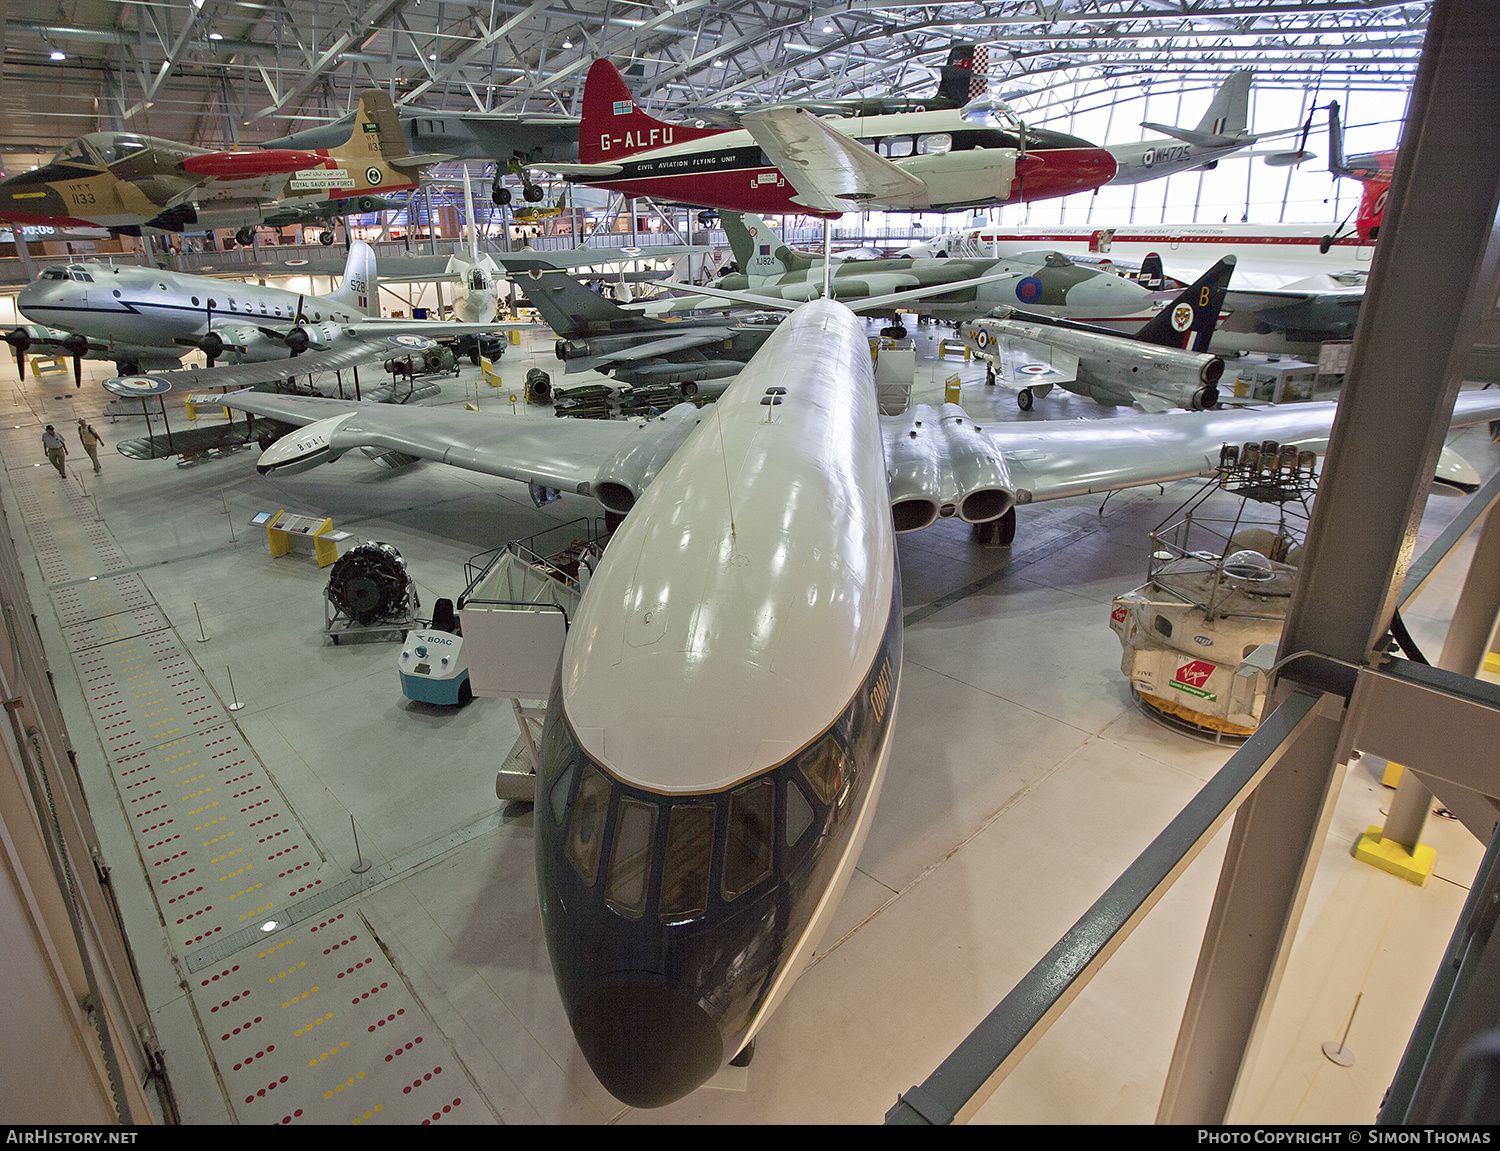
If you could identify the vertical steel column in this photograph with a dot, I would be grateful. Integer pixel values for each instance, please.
(1417, 320)
(1464, 649)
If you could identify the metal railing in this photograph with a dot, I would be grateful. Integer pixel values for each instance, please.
(977, 1067)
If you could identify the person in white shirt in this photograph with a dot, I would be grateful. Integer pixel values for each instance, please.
(56, 449)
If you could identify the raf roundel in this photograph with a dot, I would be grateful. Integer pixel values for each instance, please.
(1029, 290)
(138, 386)
(411, 343)
(983, 339)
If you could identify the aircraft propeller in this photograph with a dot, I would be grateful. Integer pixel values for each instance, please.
(20, 340)
(298, 339)
(211, 344)
(73, 344)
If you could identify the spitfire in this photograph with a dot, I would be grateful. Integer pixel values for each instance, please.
(126, 182)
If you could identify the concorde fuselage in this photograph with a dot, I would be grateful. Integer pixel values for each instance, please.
(688, 866)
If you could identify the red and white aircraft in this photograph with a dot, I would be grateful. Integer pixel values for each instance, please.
(785, 159)
(1373, 169)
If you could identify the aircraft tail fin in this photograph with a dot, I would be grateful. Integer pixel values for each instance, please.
(757, 249)
(1229, 112)
(359, 289)
(1152, 277)
(566, 305)
(1335, 141)
(614, 126)
(965, 76)
(376, 132)
(1189, 320)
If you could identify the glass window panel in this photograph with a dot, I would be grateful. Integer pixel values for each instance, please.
(684, 877)
(586, 830)
(824, 768)
(747, 849)
(630, 857)
(937, 142)
(559, 795)
(799, 813)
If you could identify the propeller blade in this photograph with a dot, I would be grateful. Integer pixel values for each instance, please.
(78, 371)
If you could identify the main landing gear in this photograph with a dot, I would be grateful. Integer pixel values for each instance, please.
(997, 533)
(1024, 399)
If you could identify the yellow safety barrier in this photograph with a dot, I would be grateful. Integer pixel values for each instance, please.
(487, 370)
(40, 364)
(946, 346)
(950, 389)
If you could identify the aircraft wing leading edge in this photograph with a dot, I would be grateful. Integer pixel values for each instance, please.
(1047, 460)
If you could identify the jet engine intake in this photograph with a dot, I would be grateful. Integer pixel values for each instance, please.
(625, 475)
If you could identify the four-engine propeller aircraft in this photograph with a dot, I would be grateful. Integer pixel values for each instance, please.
(686, 869)
(125, 182)
(1221, 134)
(146, 318)
(1164, 365)
(788, 160)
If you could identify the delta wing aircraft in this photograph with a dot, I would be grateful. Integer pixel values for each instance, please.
(687, 870)
(1164, 365)
(125, 182)
(788, 160)
(1039, 281)
(146, 318)
(1291, 292)
(1223, 133)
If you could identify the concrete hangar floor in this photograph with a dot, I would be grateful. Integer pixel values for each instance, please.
(1022, 782)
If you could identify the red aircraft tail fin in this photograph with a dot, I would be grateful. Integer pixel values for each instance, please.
(615, 127)
(1371, 209)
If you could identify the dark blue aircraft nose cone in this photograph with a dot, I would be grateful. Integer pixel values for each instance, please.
(649, 1044)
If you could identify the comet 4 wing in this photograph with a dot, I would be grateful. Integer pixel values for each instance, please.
(614, 460)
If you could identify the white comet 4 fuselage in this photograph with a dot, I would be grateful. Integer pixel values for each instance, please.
(756, 583)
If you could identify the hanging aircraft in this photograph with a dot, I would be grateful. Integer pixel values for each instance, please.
(1165, 365)
(147, 318)
(1374, 170)
(788, 160)
(126, 182)
(961, 80)
(1222, 133)
(478, 274)
(1040, 281)
(687, 870)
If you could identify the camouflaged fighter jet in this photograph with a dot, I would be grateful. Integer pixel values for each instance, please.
(125, 182)
(1044, 282)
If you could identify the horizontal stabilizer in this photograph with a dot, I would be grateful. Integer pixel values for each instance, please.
(1189, 136)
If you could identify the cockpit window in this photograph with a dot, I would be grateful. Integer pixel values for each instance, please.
(54, 274)
(684, 877)
(799, 813)
(630, 857)
(586, 829)
(747, 849)
(78, 152)
(826, 769)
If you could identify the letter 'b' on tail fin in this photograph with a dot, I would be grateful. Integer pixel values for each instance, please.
(614, 126)
(1189, 320)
